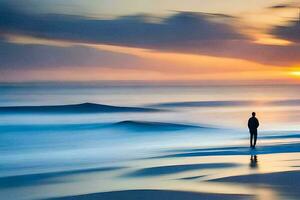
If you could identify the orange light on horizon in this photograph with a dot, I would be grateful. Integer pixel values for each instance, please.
(156, 65)
(295, 73)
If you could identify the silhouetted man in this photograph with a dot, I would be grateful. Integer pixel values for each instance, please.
(253, 125)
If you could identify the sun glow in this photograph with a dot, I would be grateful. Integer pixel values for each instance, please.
(295, 73)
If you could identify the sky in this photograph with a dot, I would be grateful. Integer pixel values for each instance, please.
(153, 41)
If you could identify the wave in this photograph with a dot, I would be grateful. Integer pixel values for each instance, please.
(153, 126)
(127, 124)
(287, 102)
(289, 136)
(156, 194)
(74, 108)
(202, 104)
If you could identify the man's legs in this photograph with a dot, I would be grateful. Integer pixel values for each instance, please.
(255, 138)
(251, 138)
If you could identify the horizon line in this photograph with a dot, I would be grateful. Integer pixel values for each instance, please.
(151, 83)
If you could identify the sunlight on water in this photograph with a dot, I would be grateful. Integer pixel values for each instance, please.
(196, 140)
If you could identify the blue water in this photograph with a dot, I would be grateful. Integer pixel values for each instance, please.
(189, 116)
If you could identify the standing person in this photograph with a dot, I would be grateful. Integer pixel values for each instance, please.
(253, 125)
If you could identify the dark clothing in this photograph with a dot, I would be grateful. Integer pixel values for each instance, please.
(253, 137)
(253, 124)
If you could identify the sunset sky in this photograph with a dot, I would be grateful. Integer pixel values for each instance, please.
(212, 41)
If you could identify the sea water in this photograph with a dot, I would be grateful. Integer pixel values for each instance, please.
(187, 117)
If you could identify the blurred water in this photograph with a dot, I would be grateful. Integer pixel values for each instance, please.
(33, 143)
(273, 116)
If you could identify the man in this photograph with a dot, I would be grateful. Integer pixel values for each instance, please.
(253, 125)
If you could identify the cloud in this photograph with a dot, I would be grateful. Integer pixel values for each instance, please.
(284, 6)
(182, 28)
(264, 54)
(184, 32)
(289, 32)
(16, 56)
(279, 6)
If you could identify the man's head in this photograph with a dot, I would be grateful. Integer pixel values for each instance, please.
(253, 114)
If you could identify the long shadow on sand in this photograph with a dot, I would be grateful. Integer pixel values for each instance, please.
(238, 150)
(172, 169)
(37, 179)
(287, 182)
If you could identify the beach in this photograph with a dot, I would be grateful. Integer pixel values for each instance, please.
(148, 143)
(149, 100)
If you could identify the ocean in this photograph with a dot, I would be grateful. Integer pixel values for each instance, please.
(62, 131)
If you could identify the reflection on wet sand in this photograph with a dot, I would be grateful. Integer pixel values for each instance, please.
(193, 173)
(192, 178)
(253, 161)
